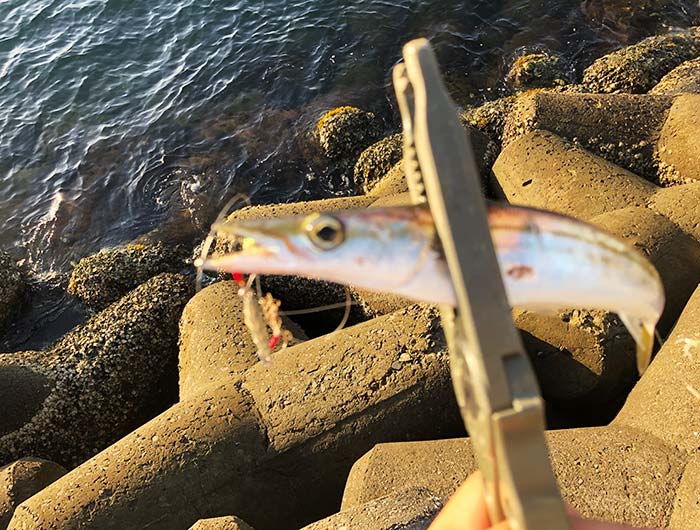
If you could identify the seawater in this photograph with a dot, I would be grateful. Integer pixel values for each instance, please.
(120, 116)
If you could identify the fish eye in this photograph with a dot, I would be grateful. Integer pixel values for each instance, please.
(324, 231)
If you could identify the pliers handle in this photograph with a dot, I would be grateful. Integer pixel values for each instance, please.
(496, 389)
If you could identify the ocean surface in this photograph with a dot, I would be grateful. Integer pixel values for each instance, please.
(121, 116)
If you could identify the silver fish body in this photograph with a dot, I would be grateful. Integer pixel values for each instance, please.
(548, 261)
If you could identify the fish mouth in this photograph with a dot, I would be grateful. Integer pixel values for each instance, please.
(256, 247)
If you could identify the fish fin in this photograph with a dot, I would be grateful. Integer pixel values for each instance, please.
(643, 334)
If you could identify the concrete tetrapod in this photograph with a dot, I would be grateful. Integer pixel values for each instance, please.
(214, 341)
(22, 479)
(678, 145)
(622, 128)
(283, 437)
(684, 79)
(642, 469)
(229, 522)
(542, 170)
(99, 381)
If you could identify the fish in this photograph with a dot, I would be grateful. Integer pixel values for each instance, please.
(548, 261)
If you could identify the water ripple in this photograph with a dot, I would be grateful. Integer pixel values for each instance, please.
(119, 115)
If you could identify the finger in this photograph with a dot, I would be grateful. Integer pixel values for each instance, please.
(466, 509)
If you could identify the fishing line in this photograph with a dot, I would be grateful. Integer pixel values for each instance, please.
(319, 309)
(206, 245)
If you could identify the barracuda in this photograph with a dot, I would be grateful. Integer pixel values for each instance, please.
(548, 261)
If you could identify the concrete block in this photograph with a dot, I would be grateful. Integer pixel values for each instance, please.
(642, 469)
(100, 381)
(287, 434)
(678, 146)
(166, 474)
(392, 183)
(621, 128)
(637, 68)
(541, 169)
(686, 509)
(229, 522)
(680, 205)
(22, 479)
(214, 341)
(666, 401)
(610, 473)
(684, 79)
(412, 509)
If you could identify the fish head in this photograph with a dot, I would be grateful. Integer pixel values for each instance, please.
(376, 248)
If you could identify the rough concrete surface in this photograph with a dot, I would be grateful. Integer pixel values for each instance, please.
(391, 183)
(289, 432)
(642, 469)
(622, 128)
(346, 131)
(375, 161)
(541, 169)
(412, 509)
(678, 146)
(229, 522)
(106, 276)
(610, 473)
(684, 79)
(214, 341)
(637, 68)
(22, 479)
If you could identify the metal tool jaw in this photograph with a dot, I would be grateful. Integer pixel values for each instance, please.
(492, 377)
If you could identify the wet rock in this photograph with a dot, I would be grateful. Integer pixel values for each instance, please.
(542, 170)
(376, 161)
(103, 278)
(13, 291)
(622, 128)
(22, 479)
(229, 522)
(287, 433)
(536, 70)
(683, 79)
(345, 132)
(215, 344)
(678, 147)
(630, 20)
(24, 388)
(413, 509)
(636, 69)
(106, 377)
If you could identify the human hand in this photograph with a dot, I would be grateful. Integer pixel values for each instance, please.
(466, 510)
